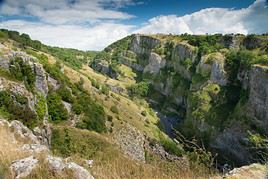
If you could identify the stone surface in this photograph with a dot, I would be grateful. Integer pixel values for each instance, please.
(142, 44)
(41, 84)
(218, 74)
(155, 64)
(57, 164)
(53, 83)
(131, 142)
(258, 95)
(253, 171)
(22, 168)
(23, 133)
(79, 172)
(34, 148)
(229, 144)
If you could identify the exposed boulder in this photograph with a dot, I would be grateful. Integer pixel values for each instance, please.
(68, 106)
(58, 165)
(155, 64)
(256, 171)
(131, 141)
(22, 168)
(23, 133)
(79, 172)
(34, 148)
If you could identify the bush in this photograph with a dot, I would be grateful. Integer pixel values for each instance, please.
(22, 71)
(17, 106)
(105, 90)
(56, 109)
(170, 146)
(114, 110)
(67, 142)
(40, 106)
(65, 94)
(94, 115)
(139, 90)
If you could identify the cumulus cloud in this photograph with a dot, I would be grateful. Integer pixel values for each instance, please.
(213, 20)
(71, 36)
(64, 22)
(67, 11)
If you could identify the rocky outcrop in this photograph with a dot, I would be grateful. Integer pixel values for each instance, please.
(22, 132)
(218, 74)
(229, 145)
(256, 171)
(131, 142)
(43, 133)
(142, 44)
(57, 164)
(41, 79)
(258, 95)
(155, 64)
(22, 168)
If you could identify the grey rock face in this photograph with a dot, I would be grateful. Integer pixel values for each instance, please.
(43, 133)
(183, 51)
(41, 80)
(54, 83)
(258, 95)
(130, 64)
(218, 75)
(102, 66)
(22, 168)
(143, 44)
(155, 64)
(131, 141)
(229, 144)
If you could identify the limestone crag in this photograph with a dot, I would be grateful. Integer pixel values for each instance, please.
(258, 95)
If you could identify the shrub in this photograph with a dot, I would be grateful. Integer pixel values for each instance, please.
(105, 90)
(144, 113)
(23, 72)
(17, 106)
(73, 142)
(65, 94)
(41, 106)
(170, 146)
(139, 90)
(56, 109)
(114, 109)
(94, 115)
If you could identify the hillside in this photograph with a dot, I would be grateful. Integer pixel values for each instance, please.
(158, 106)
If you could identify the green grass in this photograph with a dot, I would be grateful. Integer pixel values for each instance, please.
(85, 144)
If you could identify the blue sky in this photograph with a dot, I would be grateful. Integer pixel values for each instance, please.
(93, 24)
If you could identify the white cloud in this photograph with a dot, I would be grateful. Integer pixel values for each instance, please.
(65, 29)
(71, 36)
(253, 19)
(67, 11)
